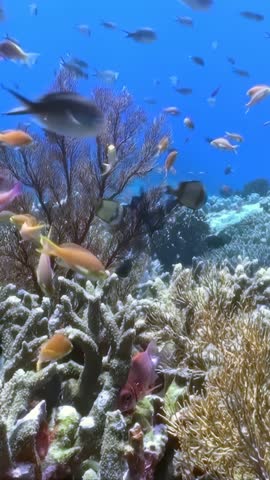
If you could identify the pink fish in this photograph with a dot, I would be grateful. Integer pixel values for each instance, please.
(141, 378)
(8, 196)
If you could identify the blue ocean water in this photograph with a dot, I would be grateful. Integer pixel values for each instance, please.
(52, 33)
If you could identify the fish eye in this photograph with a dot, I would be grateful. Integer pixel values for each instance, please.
(128, 397)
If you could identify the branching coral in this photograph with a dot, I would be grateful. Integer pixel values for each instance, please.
(225, 432)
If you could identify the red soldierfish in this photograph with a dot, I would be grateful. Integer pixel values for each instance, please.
(141, 378)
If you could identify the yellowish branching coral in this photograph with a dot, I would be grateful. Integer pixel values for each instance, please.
(226, 431)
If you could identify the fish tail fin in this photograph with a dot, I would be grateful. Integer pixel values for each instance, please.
(48, 247)
(235, 147)
(106, 167)
(31, 59)
(28, 105)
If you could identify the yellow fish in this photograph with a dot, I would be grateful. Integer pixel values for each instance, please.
(75, 257)
(57, 347)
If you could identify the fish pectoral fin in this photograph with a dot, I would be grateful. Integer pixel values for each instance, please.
(72, 118)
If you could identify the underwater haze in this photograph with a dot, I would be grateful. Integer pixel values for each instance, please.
(52, 33)
(134, 240)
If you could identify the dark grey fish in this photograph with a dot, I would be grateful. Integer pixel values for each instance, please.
(199, 4)
(183, 90)
(228, 170)
(64, 113)
(189, 194)
(241, 73)
(73, 69)
(108, 25)
(78, 61)
(124, 268)
(142, 35)
(231, 60)
(198, 61)
(185, 21)
(257, 17)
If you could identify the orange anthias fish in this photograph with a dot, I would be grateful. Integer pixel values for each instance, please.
(30, 228)
(75, 257)
(163, 144)
(141, 378)
(15, 138)
(57, 347)
(169, 162)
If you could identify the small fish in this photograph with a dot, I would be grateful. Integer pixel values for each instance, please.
(73, 68)
(197, 60)
(141, 378)
(150, 100)
(108, 76)
(142, 35)
(231, 60)
(266, 123)
(124, 268)
(10, 50)
(169, 162)
(171, 111)
(215, 92)
(190, 194)
(185, 21)
(234, 136)
(56, 348)
(108, 25)
(257, 88)
(241, 73)
(44, 274)
(30, 226)
(110, 211)
(75, 257)
(64, 113)
(8, 196)
(15, 138)
(84, 29)
(33, 8)
(198, 4)
(188, 122)
(184, 90)
(257, 94)
(257, 17)
(163, 144)
(78, 61)
(224, 144)
(228, 170)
